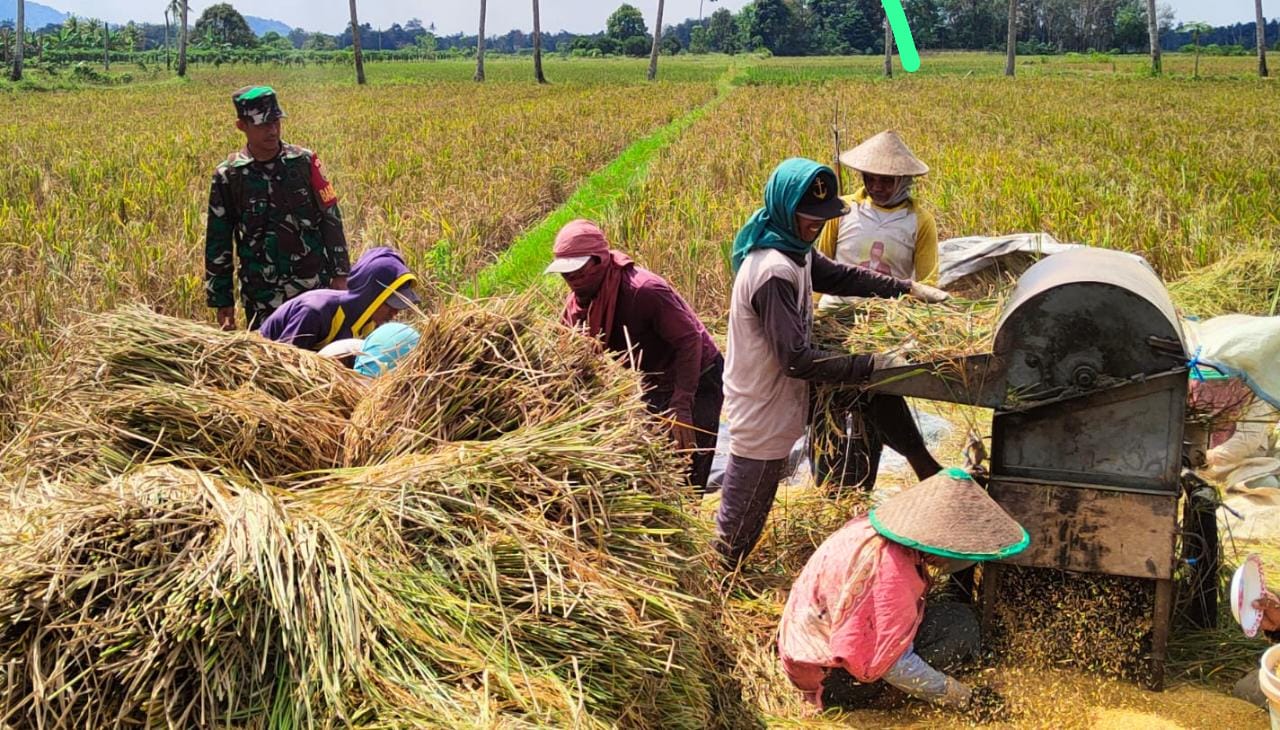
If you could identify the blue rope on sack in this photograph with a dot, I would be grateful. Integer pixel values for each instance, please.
(1194, 365)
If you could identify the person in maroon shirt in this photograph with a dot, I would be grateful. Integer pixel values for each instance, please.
(637, 315)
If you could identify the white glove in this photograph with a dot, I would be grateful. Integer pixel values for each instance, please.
(885, 360)
(956, 695)
(926, 293)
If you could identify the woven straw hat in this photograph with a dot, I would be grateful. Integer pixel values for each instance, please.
(948, 514)
(884, 154)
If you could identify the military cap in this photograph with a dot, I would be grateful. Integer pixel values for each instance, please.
(257, 104)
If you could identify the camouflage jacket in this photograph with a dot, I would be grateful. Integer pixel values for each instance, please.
(282, 219)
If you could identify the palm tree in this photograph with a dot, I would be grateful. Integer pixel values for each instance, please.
(480, 45)
(1262, 38)
(657, 39)
(355, 44)
(19, 31)
(1012, 42)
(171, 7)
(1153, 31)
(1195, 28)
(537, 47)
(130, 36)
(106, 46)
(182, 38)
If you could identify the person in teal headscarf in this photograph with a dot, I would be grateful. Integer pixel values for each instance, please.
(771, 361)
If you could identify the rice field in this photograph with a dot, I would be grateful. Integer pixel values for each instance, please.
(493, 534)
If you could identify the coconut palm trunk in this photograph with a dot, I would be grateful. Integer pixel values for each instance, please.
(1262, 37)
(1153, 31)
(182, 40)
(480, 45)
(355, 44)
(888, 47)
(537, 46)
(1012, 42)
(657, 40)
(20, 31)
(166, 38)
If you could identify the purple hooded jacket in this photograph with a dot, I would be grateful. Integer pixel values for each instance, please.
(315, 318)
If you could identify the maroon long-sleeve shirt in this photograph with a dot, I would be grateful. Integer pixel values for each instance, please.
(668, 342)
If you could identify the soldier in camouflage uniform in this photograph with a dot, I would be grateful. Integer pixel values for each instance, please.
(272, 201)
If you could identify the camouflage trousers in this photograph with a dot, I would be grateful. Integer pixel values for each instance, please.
(260, 302)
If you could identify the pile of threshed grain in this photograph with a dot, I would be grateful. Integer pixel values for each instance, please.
(1097, 623)
(485, 555)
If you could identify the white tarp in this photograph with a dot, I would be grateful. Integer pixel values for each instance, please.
(960, 257)
(1248, 463)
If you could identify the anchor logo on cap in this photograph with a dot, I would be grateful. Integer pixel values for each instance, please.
(819, 188)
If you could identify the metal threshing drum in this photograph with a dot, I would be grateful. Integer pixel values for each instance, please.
(1088, 383)
(1094, 376)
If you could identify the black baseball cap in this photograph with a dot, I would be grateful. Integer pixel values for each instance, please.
(822, 199)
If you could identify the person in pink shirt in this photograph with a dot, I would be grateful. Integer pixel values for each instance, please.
(856, 622)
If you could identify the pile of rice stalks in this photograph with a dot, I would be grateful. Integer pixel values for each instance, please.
(921, 332)
(544, 572)
(1096, 623)
(1244, 283)
(172, 597)
(487, 372)
(139, 386)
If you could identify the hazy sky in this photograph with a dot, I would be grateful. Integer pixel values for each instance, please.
(580, 16)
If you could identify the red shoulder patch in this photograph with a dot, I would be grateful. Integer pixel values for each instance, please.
(320, 183)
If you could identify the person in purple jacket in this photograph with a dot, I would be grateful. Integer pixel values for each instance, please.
(379, 287)
(636, 314)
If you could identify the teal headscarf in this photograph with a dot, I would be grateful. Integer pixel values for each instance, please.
(774, 225)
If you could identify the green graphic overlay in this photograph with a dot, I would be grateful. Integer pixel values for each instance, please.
(902, 35)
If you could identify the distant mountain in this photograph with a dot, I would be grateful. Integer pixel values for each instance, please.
(259, 26)
(37, 16)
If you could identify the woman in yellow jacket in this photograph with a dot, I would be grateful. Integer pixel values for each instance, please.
(887, 231)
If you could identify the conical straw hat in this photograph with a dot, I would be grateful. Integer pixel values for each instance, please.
(884, 154)
(948, 514)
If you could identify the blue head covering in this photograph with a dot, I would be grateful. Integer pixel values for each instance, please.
(774, 225)
(385, 347)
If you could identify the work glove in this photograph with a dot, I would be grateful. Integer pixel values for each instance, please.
(926, 293)
(889, 359)
(956, 696)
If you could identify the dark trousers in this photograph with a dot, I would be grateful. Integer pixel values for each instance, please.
(949, 636)
(745, 500)
(846, 453)
(707, 403)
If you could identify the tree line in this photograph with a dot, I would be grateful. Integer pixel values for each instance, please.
(778, 27)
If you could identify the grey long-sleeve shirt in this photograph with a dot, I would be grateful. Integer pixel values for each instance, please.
(786, 326)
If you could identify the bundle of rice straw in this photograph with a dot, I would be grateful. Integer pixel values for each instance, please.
(923, 333)
(140, 386)
(1245, 283)
(477, 374)
(548, 575)
(170, 597)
